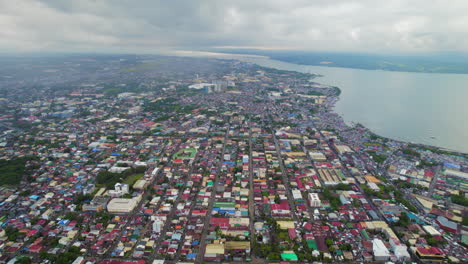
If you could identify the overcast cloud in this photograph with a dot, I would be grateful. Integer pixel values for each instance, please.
(154, 26)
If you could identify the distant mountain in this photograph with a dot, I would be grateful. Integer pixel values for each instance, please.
(438, 63)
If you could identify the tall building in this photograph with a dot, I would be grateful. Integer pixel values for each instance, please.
(219, 85)
(157, 225)
(314, 200)
(119, 190)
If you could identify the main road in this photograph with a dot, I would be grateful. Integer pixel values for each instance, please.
(202, 247)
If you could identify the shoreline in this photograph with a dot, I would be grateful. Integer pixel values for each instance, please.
(329, 65)
(315, 78)
(418, 145)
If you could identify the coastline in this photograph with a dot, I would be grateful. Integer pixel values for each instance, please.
(418, 137)
(378, 64)
(413, 144)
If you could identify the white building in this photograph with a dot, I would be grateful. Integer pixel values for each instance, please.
(140, 164)
(140, 184)
(154, 172)
(314, 200)
(373, 186)
(344, 200)
(296, 194)
(220, 85)
(79, 260)
(122, 205)
(202, 86)
(400, 250)
(381, 252)
(431, 230)
(157, 224)
(119, 190)
(116, 169)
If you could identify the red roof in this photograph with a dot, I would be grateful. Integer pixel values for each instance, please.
(107, 261)
(149, 124)
(217, 221)
(430, 251)
(283, 206)
(336, 223)
(428, 173)
(292, 233)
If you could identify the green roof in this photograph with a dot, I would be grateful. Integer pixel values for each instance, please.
(224, 204)
(312, 244)
(289, 256)
(364, 234)
(464, 239)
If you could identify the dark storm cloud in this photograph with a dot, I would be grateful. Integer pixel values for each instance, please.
(151, 26)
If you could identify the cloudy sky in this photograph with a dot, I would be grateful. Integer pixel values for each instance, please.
(380, 26)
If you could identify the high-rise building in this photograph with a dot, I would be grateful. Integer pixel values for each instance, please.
(314, 200)
(157, 225)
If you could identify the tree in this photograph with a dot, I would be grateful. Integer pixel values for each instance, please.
(43, 254)
(459, 199)
(23, 260)
(277, 199)
(11, 233)
(404, 219)
(274, 256)
(345, 247)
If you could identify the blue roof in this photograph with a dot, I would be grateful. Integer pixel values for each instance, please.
(176, 236)
(455, 166)
(35, 197)
(64, 222)
(414, 218)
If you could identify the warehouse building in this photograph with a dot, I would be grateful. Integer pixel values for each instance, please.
(381, 252)
(122, 205)
(446, 225)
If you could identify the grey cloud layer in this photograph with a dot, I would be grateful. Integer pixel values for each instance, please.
(151, 25)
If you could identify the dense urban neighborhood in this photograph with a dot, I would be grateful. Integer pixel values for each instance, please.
(114, 159)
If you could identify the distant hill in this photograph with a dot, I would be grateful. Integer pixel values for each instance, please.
(439, 63)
